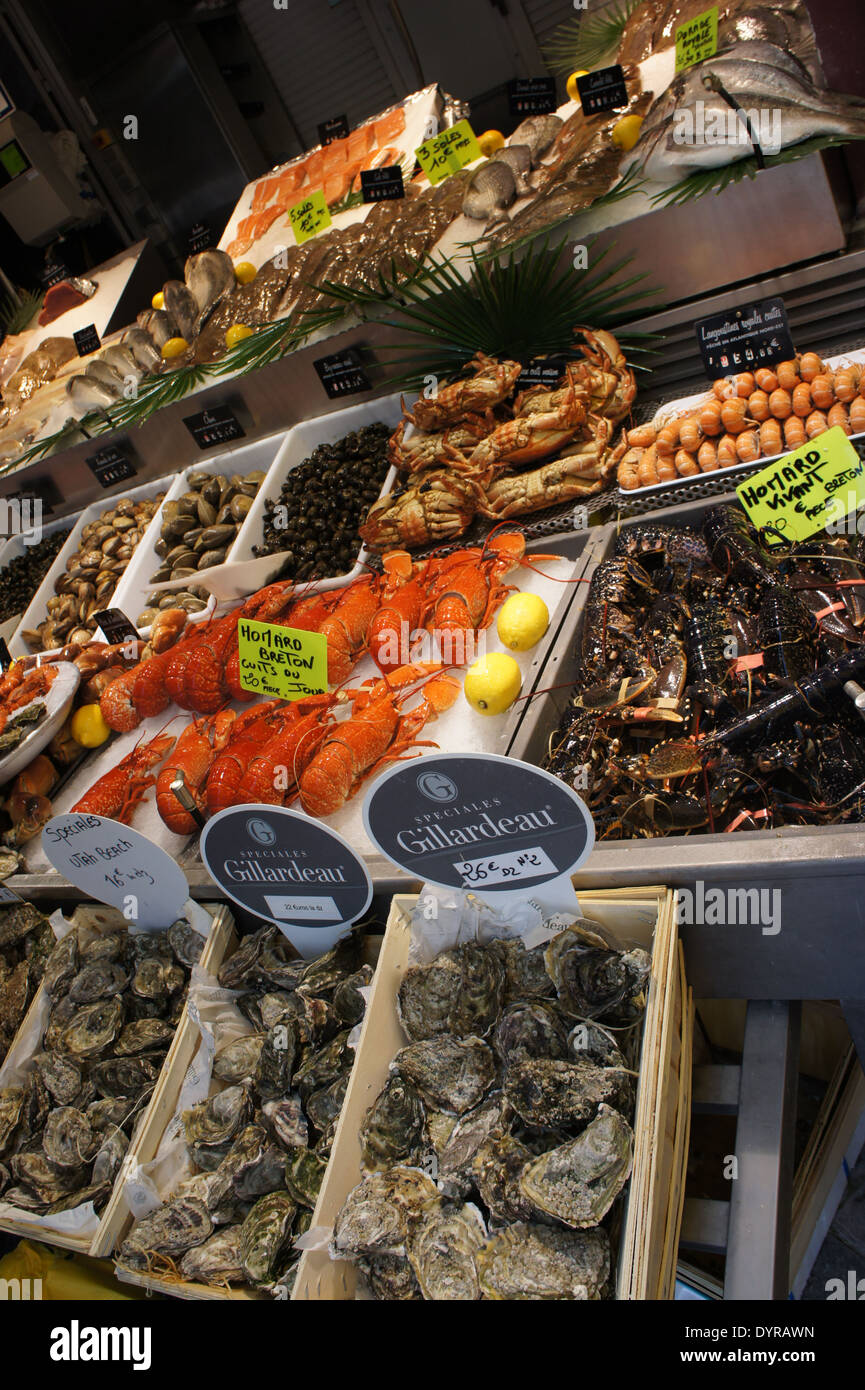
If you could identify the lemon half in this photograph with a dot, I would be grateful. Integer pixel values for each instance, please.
(174, 347)
(626, 132)
(490, 141)
(236, 334)
(244, 272)
(523, 620)
(492, 683)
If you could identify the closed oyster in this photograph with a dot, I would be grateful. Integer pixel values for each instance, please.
(219, 1119)
(392, 1131)
(287, 1120)
(264, 1236)
(62, 1076)
(5, 1177)
(178, 1226)
(276, 1062)
(460, 993)
(68, 1139)
(15, 994)
(93, 1028)
(106, 1164)
(321, 976)
(592, 1043)
(99, 980)
(217, 1261)
(578, 1182)
(62, 1014)
(528, 1261)
(322, 1068)
(186, 943)
(278, 966)
(323, 1107)
(450, 1073)
(109, 1113)
(530, 1028)
(11, 1101)
(123, 1076)
(496, 1168)
(256, 1165)
(149, 980)
(96, 1192)
(376, 1215)
(111, 947)
(304, 1174)
(142, 1035)
(48, 1180)
(469, 1133)
(19, 921)
(62, 965)
(595, 981)
(235, 970)
(237, 1061)
(36, 1106)
(348, 1002)
(549, 1094)
(390, 1277)
(442, 1251)
(525, 971)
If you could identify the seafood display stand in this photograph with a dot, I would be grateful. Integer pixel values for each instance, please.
(115, 1215)
(650, 1226)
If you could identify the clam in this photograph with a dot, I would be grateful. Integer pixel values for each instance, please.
(529, 1261)
(170, 1230)
(265, 1235)
(443, 1250)
(216, 1261)
(392, 1130)
(450, 1073)
(578, 1182)
(93, 1028)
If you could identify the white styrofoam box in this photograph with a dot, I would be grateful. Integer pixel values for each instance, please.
(136, 582)
(37, 611)
(13, 548)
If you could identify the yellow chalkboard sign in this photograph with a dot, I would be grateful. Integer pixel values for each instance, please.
(803, 492)
(309, 216)
(448, 152)
(283, 663)
(697, 40)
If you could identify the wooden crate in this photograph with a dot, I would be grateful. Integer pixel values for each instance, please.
(115, 1215)
(651, 1217)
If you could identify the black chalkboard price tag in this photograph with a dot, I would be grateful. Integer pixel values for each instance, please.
(111, 465)
(53, 273)
(115, 626)
(342, 374)
(542, 371)
(86, 340)
(532, 96)
(377, 185)
(334, 129)
(602, 90)
(214, 426)
(200, 238)
(754, 335)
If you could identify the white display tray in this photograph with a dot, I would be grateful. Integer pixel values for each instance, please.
(13, 548)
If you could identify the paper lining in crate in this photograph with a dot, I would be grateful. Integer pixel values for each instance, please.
(217, 1024)
(649, 1217)
(80, 1228)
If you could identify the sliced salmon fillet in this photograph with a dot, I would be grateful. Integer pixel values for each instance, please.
(389, 155)
(238, 247)
(334, 157)
(265, 219)
(360, 142)
(263, 194)
(336, 187)
(388, 127)
(315, 166)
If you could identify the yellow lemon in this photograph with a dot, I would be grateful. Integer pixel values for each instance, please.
(174, 347)
(571, 87)
(88, 727)
(626, 132)
(158, 300)
(244, 271)
(236, 334)
(492, 683)
(523, 620)
(490, 141)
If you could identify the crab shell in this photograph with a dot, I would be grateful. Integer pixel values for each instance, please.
(437, 504)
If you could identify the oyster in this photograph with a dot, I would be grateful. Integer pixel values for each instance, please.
(578, 1182)
(149, 980)
(111, 947)
(106, 1164)
(62, 1013)
(322, 1068)
(96, 1193)
(217, 1261)
(176, 1227)
(548, 1094)
(525, 971)
(287, 1120)
(186, 943)
(255, 1164)
(11, 1101)
(278, 966)
(390, 1277)
(348, 1002)
(143, 1034)
(459, 993)
(376, 1215)
(235, 970)
(15, 997)
(442, 1251)
(93, 1028)
(47, 1179)
(392, 1131)
(62, 965)
(496, 1168)
(18, 921)
(469, 1133)
(528, 1261)
(264, 1236)
(99, 980)
(68, 1139)
(321, 976)
(593, 980)
(123, 1076)
(450, 1073)
(304, 1174)
(219, 1119)
(109, 1113)
(36, 1106)
(530, 1028)
(276, 1062)
(5, 1177)
(237, 1061)
(62, 1076)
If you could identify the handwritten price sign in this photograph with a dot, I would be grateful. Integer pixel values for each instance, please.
(448, 152)
(284, 663)
(505, 868)
(309, 216)
(801, 493)
(697, 40)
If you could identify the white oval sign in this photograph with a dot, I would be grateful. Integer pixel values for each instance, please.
(118, 866)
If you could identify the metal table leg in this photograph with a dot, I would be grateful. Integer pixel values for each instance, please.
(758, 1237)
(854, 1016)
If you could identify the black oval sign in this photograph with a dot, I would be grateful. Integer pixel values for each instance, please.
(282, 866)
(478, 821)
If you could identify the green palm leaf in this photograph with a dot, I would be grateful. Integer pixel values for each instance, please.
(584, 43)
(16, 310)
(704, 181)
